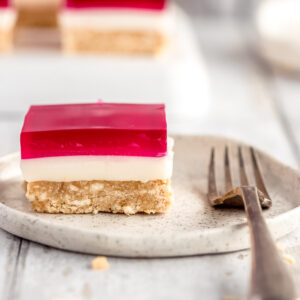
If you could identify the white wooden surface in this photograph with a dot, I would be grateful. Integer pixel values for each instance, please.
(249, 102)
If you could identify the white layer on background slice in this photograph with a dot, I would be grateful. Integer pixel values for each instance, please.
(119, 19)
(8, 18)
(112, 168)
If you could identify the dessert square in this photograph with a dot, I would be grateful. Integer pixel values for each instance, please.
(7, 25)
(87, 158)
(117, 27)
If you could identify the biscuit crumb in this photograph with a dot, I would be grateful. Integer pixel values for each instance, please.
(100, 263)
(288, 259)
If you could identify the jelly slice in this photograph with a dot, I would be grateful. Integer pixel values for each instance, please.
(94, 129)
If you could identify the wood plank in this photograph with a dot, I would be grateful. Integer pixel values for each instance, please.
(64, 275)
(10, 246)
(14, 278)
(288, 90)
(283, 91)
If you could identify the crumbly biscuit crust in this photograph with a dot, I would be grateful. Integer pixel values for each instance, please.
(78, 197)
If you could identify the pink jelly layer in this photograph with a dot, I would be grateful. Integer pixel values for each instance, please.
(94, 129)
(3, 3)
(139, 4)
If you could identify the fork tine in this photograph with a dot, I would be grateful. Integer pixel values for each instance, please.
(212, 186)
(243, 175)
(257, 174)
(228, 179)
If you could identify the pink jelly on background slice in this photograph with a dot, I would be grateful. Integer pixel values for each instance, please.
(94, 129)
(3, 3)
(142, 4)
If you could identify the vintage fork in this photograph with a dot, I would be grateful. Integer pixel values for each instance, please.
(270, 279)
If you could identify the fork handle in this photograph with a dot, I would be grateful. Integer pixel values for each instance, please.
(270, 279)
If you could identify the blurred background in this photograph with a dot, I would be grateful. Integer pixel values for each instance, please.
(233, 71)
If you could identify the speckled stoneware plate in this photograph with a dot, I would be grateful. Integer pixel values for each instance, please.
(190, 227)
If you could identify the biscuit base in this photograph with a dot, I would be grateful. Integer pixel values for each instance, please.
(6, 39)
(81, 197)
(76, 40)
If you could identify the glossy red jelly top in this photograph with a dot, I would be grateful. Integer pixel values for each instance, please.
(3, 3)
(94, 129)
(141, 4)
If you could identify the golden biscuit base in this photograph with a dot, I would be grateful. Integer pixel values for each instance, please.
(77, 40)
(81, 197)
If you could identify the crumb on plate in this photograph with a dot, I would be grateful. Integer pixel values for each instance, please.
(100, 263)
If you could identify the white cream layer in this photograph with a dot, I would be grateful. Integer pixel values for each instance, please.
(8, 18)
(118, 168)
(119, 19)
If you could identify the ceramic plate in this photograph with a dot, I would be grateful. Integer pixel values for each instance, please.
(190, 227)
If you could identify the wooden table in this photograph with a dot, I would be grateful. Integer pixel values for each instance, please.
(250, 102)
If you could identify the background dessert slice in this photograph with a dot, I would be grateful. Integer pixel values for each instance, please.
(111, 26)
(86, 158)
(7, 25)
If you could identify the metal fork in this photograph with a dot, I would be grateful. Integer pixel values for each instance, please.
(270, 279)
